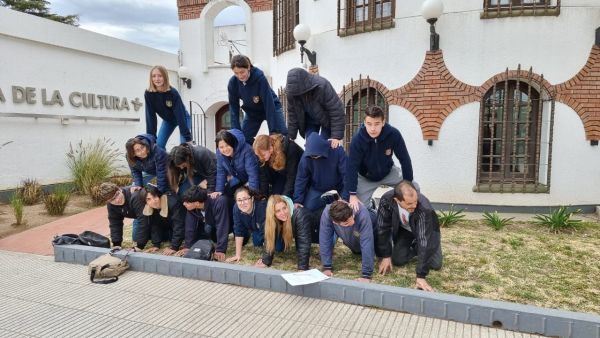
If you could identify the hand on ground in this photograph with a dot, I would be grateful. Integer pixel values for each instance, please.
(233, 259)
(385, 265)
(328, 273)
(168, 252)
(219, 256)
(259, 263)
(423, 285)
(181, 252)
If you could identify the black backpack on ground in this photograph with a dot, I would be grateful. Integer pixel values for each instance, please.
(203, 249)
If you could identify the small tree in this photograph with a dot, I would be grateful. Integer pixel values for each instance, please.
(39, 8)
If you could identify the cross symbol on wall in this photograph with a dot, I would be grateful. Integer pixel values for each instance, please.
(136, 104)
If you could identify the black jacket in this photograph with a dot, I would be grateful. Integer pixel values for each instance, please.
(306, 232)
(133, 208)
(305, 90)
(205, 165)
(423, 223)
(155, 225)
(293, 154)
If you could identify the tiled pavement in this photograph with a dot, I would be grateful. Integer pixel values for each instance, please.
(42, 298)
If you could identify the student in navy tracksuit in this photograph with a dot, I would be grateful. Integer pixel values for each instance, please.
(236, 163)
(321, 169)
(356, 231)
(371, 163)
(248, 221)
(206, 218)
(146, 160)
(259, 101)
(163, 100)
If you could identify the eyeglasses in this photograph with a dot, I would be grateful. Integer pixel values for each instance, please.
(243, 199)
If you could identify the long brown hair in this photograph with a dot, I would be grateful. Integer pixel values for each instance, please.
(163, 71)
(131, 158)
(272, 225)
(264, 143)
(179, 155)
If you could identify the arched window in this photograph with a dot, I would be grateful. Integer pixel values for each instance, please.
(513, 143)
(223, 118)
(355, 108)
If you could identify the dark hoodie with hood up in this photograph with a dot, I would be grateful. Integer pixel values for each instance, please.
(242, 166)
(321, 174)
(259, 101)
(372, 157)
(312, 94)
(155, 164)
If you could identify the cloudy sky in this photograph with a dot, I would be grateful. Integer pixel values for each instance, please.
(151, 23)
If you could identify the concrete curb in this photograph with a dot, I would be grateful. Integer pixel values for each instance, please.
(508, 316)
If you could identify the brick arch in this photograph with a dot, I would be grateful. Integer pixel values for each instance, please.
(433, 94)
(355, 86)
(582, 94)
(523, 76)
(191, 9)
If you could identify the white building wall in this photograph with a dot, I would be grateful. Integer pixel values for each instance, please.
(474, 51)
(44, 54)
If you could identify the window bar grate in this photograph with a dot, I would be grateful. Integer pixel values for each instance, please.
(539, 136)
(504, 130)
(527, 160)
(514, 125)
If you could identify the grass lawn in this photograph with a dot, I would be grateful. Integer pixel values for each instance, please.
(521, 263)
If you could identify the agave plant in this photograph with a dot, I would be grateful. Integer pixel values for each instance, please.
(558, 220)
(495, 221)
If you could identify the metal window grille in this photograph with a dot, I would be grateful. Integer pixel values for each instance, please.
(515, 138)
(198, 129)
(358, 16)
(285, 17)
(283, 99)
(356, 97)
(498, 8)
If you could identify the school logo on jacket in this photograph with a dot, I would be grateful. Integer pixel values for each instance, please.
(256, 99)
(356, 233)
(169, 103)
(388, 152)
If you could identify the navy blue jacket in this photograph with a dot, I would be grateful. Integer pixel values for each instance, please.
(155, 164)
(312, 92)
(259, 101)
(245, 224)
(322, 174)
(170, 108)
(133, 208)
(358, 237)
(372, 157)
(242, 166)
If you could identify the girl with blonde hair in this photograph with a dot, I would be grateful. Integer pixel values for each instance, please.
(278, 228)
(163, 100)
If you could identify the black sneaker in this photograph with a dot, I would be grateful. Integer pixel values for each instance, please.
(330, 196)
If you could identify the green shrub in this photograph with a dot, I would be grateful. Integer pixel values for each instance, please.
(558, 220)
(92, 163)
(56, 202)
(30, 191)
(495, 221)
(447, 218)
(122, 180)
(17, 205)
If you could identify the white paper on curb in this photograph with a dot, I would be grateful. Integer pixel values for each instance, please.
(304, 277)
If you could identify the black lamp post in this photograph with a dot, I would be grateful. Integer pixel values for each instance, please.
(302, 34)
(431, 11)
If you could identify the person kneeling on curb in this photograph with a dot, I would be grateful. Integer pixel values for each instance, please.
(121, 203)
(355, 230)
(408, 227)
(165, 217)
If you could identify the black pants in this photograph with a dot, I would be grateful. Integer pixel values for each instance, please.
(405, 249)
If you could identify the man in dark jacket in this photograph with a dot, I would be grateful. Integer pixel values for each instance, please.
(121, 203)
(313, 104)
(408, 227)
(355, 230)
(165, 221)
(370, 163)
(321, 169)
(206, 218)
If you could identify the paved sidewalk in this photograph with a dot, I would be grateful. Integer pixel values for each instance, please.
(41, 298)
(38, 240)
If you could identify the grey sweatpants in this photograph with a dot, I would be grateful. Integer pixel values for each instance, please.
(365, 187)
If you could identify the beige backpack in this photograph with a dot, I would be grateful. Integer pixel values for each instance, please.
(106, 268)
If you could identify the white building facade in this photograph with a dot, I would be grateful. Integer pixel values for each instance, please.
(60, 85)
(505, 113)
